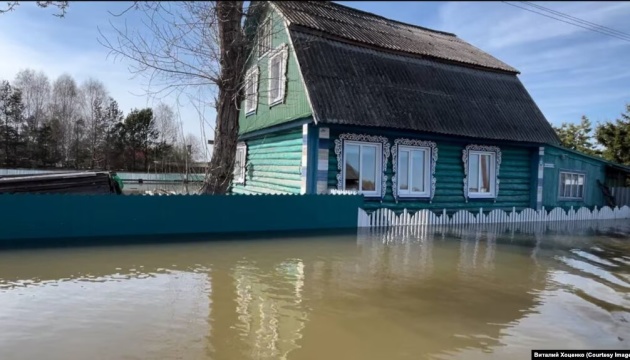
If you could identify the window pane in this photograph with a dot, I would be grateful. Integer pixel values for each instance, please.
(351, 159)
(275, 77)
(567, 185)
(403, 171)
(485, 173)
(368, 168)
(417, 165)
(473, 173)
(580, 192)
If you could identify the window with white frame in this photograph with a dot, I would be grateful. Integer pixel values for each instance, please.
(264, 37)
(277, 75)
(239, 164)
(482, 174)
(414, 171)
(362, 167)
(251, 91)
(571, 185)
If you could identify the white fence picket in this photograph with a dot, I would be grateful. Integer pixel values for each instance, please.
(383, 218)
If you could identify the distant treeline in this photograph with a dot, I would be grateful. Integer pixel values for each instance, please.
(44, 125)
(609, 139)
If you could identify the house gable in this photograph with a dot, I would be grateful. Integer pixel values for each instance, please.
(292, 101)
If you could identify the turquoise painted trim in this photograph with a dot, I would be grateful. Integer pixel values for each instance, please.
(277, 128)
(83, 217)
(323, 145)
(304, 163)
(541, 177)
(313, 141)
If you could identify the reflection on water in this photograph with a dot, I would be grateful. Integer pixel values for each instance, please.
(458, 293)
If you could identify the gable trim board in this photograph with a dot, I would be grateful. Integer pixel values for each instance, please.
(297, 61)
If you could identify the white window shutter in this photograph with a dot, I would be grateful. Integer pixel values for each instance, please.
(283, 83)
(256, 88)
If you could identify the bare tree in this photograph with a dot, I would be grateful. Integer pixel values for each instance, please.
(194, 146)
(190, 45)
(60, 5)
(93, 96)
(35, 88)
(165, 123)
(64, 108)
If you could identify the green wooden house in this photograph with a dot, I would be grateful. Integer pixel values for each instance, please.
(342, 100)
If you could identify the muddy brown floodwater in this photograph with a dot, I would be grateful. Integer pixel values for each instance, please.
(459, 293)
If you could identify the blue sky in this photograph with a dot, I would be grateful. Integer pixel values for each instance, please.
(569, 71)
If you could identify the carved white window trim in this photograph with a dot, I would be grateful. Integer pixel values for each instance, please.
(251, 99)
(282, 53)
(497, 155)
(362, 138)
(433, 154)
(240, 160)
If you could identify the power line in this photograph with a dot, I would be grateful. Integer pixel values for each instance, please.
(621, 37)
(585, 22)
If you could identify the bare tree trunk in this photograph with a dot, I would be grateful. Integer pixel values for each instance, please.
(219, 176)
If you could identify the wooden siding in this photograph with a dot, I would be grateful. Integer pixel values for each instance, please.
(273, 164)
(563, 160)
(517, 180)
(295, 105)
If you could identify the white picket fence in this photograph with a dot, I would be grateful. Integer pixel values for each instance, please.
(383, 218)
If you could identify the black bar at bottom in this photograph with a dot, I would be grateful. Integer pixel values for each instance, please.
(585, 354)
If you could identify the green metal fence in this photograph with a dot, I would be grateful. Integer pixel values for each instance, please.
(40, 219)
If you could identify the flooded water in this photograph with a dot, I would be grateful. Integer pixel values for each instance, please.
(465, 293)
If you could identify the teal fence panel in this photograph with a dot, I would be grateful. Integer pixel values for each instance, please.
(59, 216)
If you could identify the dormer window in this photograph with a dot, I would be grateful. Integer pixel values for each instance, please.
(277, 75)
(251, 93)
(264, 37)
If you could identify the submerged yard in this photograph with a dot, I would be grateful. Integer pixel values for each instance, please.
(458, 293)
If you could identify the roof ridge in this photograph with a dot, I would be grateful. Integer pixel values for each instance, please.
(351, 10)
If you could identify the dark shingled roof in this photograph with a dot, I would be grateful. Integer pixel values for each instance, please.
(370, 29)
(353, 85)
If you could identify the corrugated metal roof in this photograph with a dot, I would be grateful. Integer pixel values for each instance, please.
(357, 86)
(378, 31)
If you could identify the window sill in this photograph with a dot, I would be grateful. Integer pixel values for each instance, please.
(250, 113)
(413, 196)
(570, 199)
(482, 197)
(275, 102)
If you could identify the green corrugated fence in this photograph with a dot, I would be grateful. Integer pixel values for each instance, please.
(32, 218)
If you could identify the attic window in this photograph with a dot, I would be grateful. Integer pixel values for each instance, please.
(251, 87)
(264, 37)
(277, 75)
